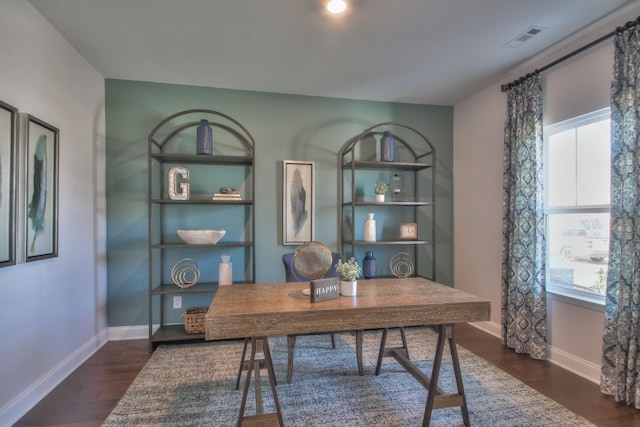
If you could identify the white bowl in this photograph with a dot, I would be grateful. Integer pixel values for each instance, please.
(201, 237)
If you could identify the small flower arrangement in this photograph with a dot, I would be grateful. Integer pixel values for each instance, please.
(348, 271)
(381, 188)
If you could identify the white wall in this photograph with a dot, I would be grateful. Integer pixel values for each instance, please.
(53, 311)
(575, 332)
(477, 201)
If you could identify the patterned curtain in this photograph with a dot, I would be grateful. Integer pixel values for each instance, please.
(620, 375)
(524, 324)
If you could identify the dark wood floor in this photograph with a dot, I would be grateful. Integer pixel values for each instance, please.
(87, 396)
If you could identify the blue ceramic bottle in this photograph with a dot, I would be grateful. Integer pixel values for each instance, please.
(204, 136)
(387, 145)
(369, 266)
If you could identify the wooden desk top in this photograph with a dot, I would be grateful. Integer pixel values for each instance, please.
(240, 311)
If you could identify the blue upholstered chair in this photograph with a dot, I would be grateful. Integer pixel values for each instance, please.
(292, 275)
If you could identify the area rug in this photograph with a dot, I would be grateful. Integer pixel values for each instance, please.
(194, 385)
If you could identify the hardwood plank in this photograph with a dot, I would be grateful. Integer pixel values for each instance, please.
(112, 369)
(571, 391)
(87, 396)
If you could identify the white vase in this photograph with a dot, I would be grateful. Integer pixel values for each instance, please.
(370, 228)
(379, 198)
(349, 289)
(225, 274)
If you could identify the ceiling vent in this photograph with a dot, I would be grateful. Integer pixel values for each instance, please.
(524, 36)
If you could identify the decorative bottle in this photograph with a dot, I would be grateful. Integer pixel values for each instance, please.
(387, 145)
(370, 228)
(204, 136)
(369, 266)
(225, 274)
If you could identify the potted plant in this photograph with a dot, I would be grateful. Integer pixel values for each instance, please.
(348, 272)
(380, 189)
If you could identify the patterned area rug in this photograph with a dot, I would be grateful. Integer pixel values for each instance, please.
(194, 385)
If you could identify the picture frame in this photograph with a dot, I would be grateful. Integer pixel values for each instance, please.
(298, 202)
(8, 172)
(41, 183)
(409, 231)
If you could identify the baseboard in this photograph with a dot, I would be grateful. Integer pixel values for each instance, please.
(492, 328)
(583, 368)
(137, 332)
(25, 401)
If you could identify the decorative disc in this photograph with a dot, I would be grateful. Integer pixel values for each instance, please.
(401, 265)
(185, 273)
(312, 260)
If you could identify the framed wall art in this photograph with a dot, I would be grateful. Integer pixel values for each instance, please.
(41, 182)
(298, 202)
(8, 171)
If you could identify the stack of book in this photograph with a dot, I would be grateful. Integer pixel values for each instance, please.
(232, 196)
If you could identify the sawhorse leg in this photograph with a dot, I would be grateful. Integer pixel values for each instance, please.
(383, 349)
(254, 367)
(436, 399)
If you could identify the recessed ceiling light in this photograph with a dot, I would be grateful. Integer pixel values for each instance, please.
(336, 6)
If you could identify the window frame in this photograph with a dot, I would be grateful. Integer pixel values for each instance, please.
(577, 297)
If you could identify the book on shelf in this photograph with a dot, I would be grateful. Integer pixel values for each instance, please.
(220, 196)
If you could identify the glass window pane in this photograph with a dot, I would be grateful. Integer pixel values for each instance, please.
(561, 169)
(578, 250)
(578, 162)
(594, 159)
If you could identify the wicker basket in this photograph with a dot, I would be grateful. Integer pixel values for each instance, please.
(194, 319)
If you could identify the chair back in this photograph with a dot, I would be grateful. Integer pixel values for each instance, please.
(292, 275)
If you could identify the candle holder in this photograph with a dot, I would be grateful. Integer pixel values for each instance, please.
(396, 186)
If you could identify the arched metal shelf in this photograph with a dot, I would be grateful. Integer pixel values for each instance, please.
(172, 142)
(416, 157)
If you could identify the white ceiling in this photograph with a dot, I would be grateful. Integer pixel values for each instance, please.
(416, 51)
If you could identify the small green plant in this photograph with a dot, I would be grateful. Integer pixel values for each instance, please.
(381, 188)
(348, 271)
(601, 283)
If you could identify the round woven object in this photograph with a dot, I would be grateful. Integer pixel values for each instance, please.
(185, 273)
(401, 265)
(312, 260)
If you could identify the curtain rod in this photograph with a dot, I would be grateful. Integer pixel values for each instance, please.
(626, 26)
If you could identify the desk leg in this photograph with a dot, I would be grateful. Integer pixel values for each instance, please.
(254, 367)
(242, 363)
(359, 341)
(385, 352)
(456, 369)
(291, 348)
(435, 398)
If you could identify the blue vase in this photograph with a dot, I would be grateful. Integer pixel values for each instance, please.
(369, 266)
(387, 145)
(204, 136)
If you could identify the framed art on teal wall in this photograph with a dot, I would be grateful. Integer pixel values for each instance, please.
(42, 189)
(8, 132)
(298, 205)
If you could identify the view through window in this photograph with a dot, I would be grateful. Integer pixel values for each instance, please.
(577, 183)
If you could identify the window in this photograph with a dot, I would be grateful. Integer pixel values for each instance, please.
(577, 185)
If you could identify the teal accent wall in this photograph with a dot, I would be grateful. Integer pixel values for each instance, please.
(285, 127)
